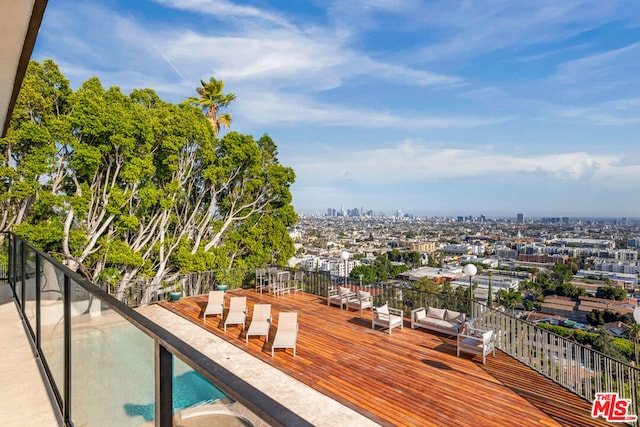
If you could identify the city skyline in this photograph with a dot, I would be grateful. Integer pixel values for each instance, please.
(435, 108)
(362, 211)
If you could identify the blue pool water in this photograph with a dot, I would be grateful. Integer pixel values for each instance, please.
(113, 379)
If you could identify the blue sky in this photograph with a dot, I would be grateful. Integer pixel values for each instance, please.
(432, 107)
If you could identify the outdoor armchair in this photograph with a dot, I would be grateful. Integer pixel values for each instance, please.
(477, 341)
(387, 317)
(360, 300)
(339, 296)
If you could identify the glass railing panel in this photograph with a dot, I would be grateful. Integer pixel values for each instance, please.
(52, 321)
(112, 377)
(18, 270)
(191, 390)
(4, 258)
(29, 285)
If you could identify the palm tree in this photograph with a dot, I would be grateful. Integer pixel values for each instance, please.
(212, 100)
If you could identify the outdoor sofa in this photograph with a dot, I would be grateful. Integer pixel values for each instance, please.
(439, 319)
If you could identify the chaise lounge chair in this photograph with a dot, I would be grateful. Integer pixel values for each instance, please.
(287, 332)
(237, 312)
(215, 305)
(260, 322)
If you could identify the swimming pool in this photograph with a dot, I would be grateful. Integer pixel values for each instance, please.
(113, 378)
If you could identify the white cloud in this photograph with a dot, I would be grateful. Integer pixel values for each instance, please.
(619, 112)
(273, 108)
(410, 162)
(225, 9)
(599, 66)
(471, 29)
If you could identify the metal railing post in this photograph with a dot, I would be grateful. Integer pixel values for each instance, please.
(67, 350)
(38, 300)
(163, 386)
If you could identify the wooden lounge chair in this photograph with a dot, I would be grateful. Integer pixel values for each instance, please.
(237, 312)
(215, 305)
(260, 322)
(287, 332)
(387, 317)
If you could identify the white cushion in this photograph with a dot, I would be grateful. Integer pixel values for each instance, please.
(486, 337)
(383, 309)
(421, 314)
(363, 295)
(436, 313)
(343, 291)
(454, 316)
(471, 342)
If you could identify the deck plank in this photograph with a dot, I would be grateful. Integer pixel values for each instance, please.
(412, 377)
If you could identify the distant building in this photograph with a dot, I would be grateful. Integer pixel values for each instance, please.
(456, 250)
(422, 246)
(626, 254)
(615, 266)
(505, 252)
(633, 242)
(617, 329)
(576, 309)
(627, 280)
(520, 218)
(563, 307)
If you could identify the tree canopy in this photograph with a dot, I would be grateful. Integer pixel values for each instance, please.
(120, 186)
(611, 292)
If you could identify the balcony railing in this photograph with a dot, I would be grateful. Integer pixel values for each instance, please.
(69, 321)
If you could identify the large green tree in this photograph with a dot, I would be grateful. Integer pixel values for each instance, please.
(28, 152)
(123, 186)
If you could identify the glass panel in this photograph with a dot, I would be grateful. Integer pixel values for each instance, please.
(112, 370)
(52, 321)
(4, 258)
(18, 270)
(192, 389)
(30, 286)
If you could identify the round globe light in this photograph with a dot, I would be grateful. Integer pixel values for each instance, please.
(470, 270)
(344, 255)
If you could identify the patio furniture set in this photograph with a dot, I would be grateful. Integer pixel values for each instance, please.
(277, 281)
(469, 340)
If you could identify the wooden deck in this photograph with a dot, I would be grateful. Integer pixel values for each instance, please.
(412, 377)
